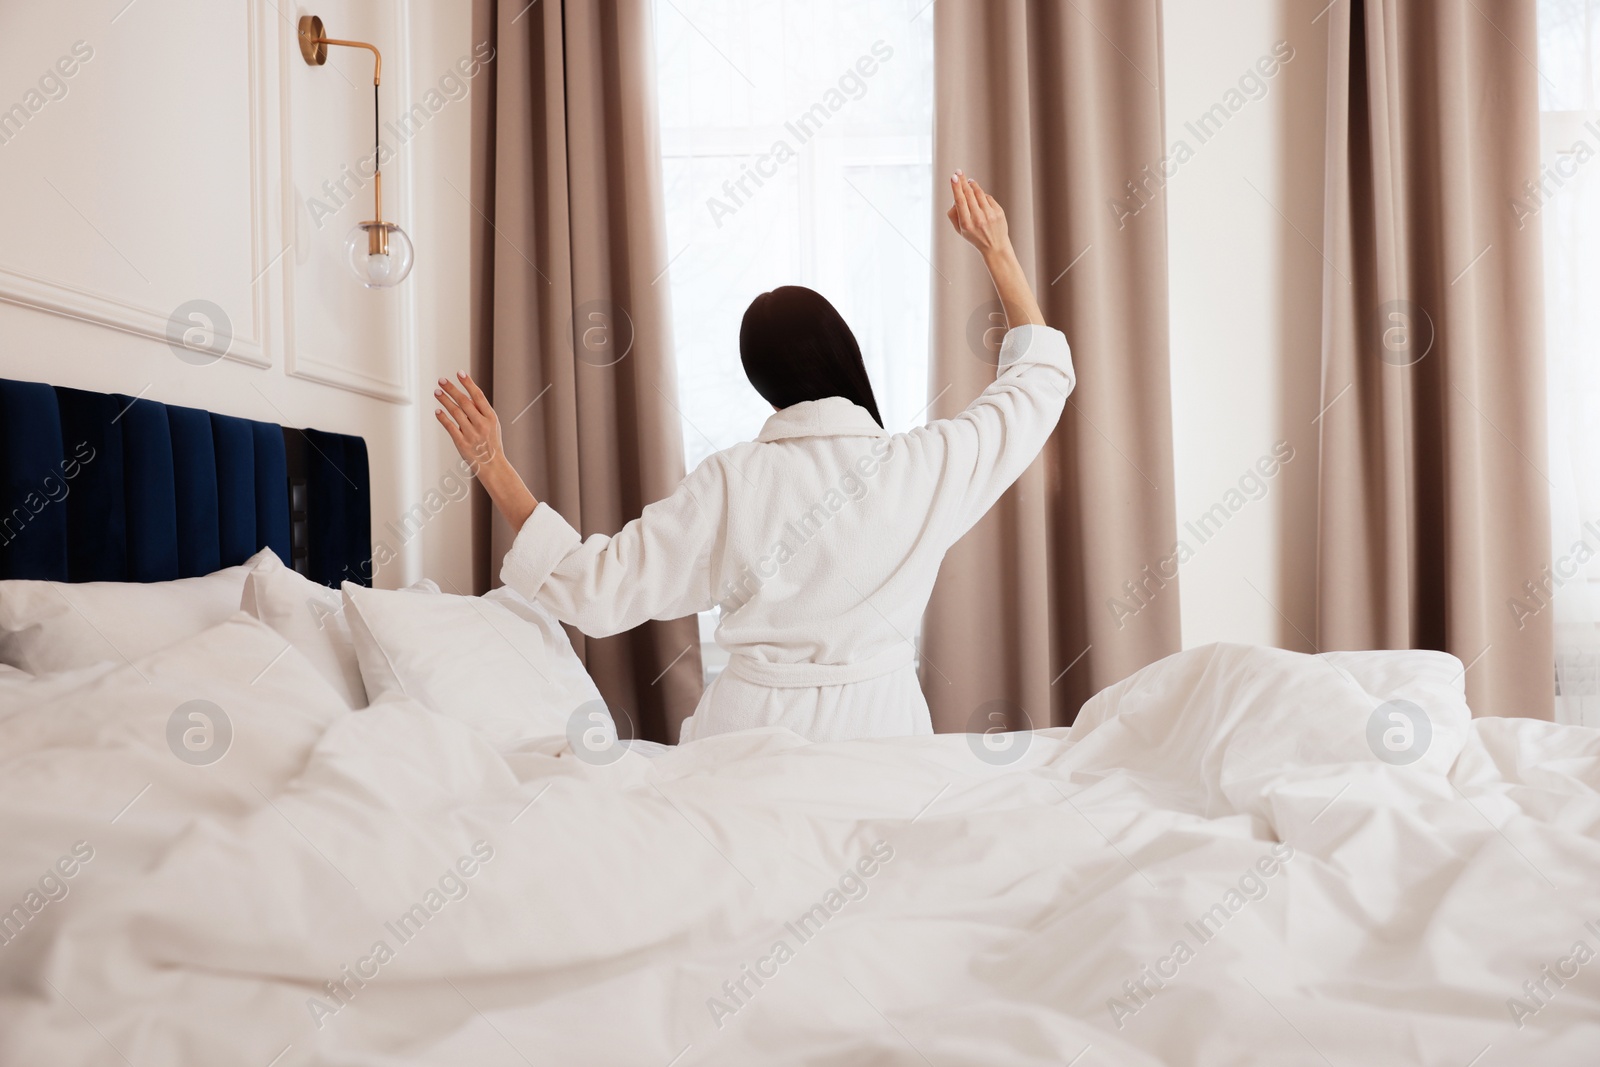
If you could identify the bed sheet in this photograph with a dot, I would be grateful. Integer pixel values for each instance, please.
(1237, 855)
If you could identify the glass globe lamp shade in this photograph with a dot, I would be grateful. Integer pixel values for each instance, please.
(379, 253)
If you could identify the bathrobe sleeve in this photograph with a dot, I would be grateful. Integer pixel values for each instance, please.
(657, 567)
(988, 446)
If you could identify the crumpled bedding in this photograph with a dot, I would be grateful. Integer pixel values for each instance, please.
(1223, 861)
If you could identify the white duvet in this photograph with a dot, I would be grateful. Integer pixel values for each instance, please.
(1211, 867)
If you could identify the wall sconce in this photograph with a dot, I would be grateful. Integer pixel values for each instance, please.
(379, 252)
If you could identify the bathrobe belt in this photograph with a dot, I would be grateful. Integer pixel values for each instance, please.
(810, 675)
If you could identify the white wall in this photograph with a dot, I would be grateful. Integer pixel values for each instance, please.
(1244, 233)
(178, 162)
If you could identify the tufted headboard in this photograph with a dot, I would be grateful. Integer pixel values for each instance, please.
(105, 487)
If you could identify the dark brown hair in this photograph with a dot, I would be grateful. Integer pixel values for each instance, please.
(795, 346)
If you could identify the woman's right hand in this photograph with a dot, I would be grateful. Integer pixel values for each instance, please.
(470, 420)
(474, 428)
(977, 216)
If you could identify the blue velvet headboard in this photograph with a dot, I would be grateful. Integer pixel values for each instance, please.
(105, 487)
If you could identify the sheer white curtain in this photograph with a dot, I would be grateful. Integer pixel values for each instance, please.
(1564, 198)
(797, 142)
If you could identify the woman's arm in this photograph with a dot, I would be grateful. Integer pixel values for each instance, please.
(985, 448)
(978, 218)
(656, 567)
(473, 426)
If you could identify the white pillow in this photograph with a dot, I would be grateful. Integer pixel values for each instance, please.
(61, 626)
(498, 663)
(311, 618)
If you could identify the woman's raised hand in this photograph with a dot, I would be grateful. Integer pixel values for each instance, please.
(977, 216)
(469, 419)
(466, 415)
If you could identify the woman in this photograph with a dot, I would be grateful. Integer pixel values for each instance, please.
(820, 539)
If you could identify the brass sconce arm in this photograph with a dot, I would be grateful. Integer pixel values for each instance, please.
(314, 48)
(377, 57)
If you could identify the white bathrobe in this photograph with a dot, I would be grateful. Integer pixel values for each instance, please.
(819, 541)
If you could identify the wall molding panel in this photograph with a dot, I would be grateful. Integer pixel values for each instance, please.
(250, 341)
(300, 293)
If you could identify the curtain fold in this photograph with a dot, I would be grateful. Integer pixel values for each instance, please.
(1433, 525)
(573, 336)
(1070, 583)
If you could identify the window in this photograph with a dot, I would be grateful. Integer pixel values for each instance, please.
(1565, 197)
(796, 142)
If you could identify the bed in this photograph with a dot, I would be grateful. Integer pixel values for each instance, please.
(1236, 855)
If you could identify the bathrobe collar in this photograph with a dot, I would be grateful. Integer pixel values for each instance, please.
(832, 416)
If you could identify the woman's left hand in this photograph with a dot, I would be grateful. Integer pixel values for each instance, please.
(469, 419)
(978, 217)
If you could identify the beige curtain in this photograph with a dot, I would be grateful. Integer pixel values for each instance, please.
(1434, 505)
(1070, 583)
(573, 332)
